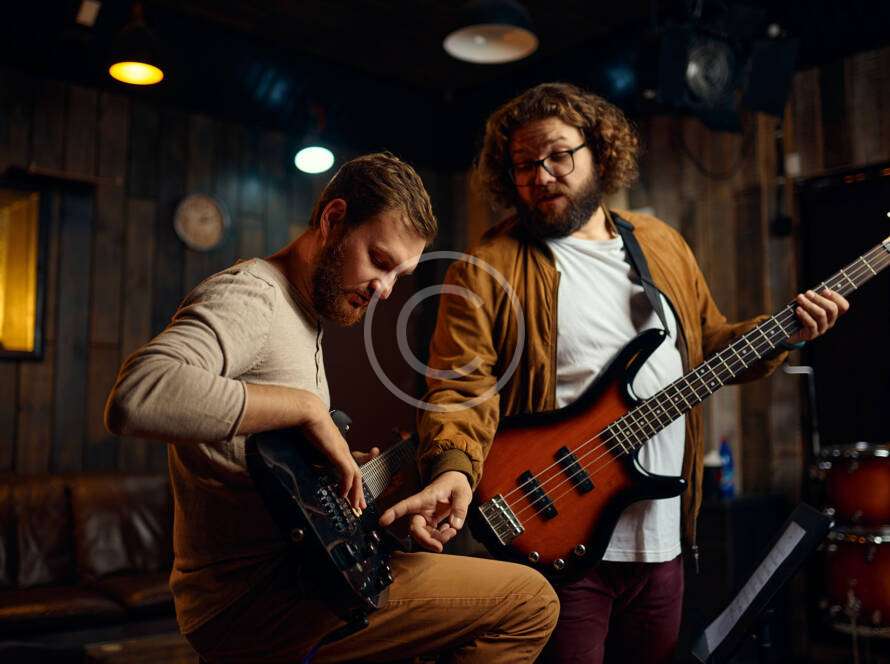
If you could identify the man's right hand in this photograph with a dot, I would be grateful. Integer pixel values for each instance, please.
(320, 430)
(272, 407)
(437, 512)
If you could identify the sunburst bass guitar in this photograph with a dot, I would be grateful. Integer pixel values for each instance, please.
(555, 483)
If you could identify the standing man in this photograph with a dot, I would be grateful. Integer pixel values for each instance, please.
(551, 154)
(242, 355)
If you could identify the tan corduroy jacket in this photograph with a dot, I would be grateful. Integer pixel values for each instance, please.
(476, 338)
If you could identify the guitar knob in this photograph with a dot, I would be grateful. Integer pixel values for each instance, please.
(534, 557)
(559, 564)
(580, 550)
(345, 554)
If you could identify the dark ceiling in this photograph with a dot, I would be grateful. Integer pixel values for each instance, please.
(377, 67)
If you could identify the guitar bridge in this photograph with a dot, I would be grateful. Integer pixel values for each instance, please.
(501, 520)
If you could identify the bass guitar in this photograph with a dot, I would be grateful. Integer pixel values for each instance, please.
(345, 550)
(555, 483)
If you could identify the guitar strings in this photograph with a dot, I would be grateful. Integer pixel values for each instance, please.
(789, 310)
(854, 269)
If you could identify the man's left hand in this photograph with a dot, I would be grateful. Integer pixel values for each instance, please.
(817, 313)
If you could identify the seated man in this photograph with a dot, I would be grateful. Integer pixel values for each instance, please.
(242, 355)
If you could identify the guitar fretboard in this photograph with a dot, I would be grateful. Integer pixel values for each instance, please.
(638, 425)
(378, 472)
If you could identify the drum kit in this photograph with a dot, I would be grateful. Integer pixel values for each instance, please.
(855, 480)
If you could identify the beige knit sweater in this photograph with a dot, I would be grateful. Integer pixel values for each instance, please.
(186, 387)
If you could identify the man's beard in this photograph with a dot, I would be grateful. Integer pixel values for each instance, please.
(329, 297)
(579, 208)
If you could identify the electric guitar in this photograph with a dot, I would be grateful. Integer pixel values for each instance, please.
(555, 483)
(346, 551)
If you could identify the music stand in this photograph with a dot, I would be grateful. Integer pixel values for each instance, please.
(799, 537)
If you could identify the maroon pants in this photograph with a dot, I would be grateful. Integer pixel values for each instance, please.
(619, 613)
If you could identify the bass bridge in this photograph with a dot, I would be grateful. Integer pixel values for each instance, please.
(501, 520)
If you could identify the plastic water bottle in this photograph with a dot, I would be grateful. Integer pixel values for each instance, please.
(727, 474)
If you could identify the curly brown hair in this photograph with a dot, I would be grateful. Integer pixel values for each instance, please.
(376, 182)
(610, 136)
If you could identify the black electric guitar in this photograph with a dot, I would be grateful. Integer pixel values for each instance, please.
(346, 551)
(555, 483)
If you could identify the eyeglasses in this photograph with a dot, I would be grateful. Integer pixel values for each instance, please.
(558, 164)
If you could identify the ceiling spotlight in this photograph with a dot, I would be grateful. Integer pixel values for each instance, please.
(136, 53)
(492, 32)
(314, 159)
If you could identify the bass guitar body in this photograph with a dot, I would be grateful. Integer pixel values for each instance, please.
(552, 490)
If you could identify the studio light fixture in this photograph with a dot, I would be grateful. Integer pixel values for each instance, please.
(313, 156)
(492, 32)
(314, 159)
(136, 53)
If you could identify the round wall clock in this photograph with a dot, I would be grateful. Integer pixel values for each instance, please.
(201, 222)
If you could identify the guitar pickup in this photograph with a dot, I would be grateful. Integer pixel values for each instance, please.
(539, 499)
(579, 477)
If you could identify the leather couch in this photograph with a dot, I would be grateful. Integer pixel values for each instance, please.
(83, 551)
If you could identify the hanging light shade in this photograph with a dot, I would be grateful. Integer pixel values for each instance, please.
(136, 53)
(315, 154)
(314, 159)
(492, 32)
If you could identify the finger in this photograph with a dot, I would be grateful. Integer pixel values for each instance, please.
(375, 452)
(358, 494)
(460, 503)
(810, 330)
(422, 534)
(842, 304)
(826, 308)
(410, 505)
(817, 313)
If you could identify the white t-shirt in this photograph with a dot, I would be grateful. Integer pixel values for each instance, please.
(601, 307)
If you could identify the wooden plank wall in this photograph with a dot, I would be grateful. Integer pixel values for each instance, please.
(116, 269)
(834, 119)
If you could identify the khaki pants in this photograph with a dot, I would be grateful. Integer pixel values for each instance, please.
(470, 609)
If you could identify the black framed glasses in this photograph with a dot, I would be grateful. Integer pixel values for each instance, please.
(558, 164)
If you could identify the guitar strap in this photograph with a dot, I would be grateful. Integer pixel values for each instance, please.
(638, 261)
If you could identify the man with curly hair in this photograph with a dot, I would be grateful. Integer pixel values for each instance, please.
(551, 154)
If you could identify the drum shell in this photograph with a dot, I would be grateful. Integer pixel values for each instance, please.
(857, 483)
(857, 575)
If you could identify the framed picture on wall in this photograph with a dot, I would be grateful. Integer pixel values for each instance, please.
(24, 219)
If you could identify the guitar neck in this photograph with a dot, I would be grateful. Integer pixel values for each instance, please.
(378, 472)
(652, 415)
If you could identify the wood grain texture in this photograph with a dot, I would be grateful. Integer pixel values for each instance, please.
(107, 267)
(49, 126)
(168, 268)
(136, 311)
(199, 179)
(69, 395)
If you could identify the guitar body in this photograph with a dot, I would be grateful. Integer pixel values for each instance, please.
(575, 532)
(345, 553)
